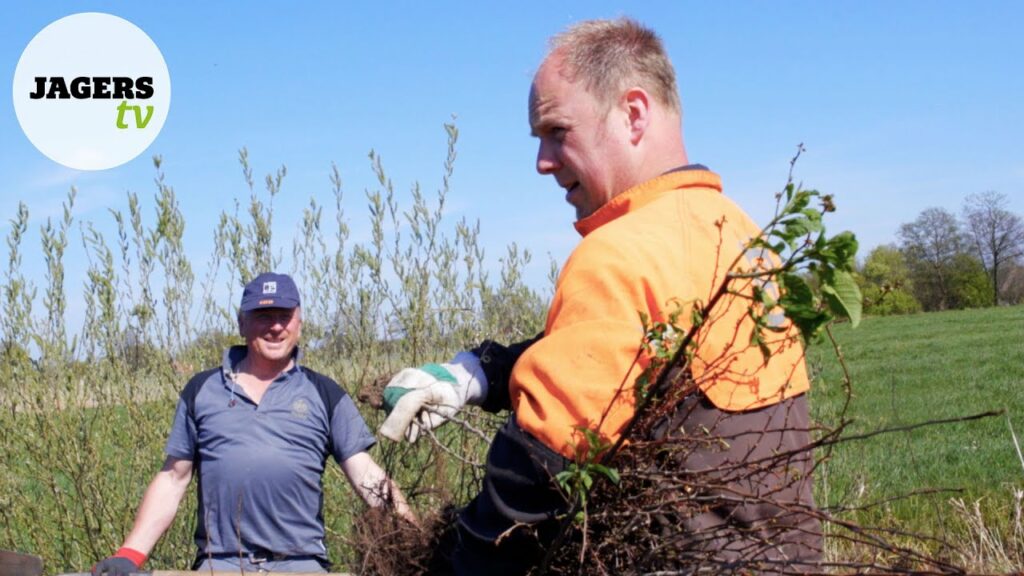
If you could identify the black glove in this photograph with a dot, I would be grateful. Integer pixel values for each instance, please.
(115, 566)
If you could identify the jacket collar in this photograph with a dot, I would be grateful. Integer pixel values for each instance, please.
(690, 176)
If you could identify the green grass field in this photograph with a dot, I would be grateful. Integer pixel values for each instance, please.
(915, 369)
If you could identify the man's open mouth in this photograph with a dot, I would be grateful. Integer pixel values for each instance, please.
(571, 188)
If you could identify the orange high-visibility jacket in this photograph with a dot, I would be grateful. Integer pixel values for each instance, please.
(672, 237)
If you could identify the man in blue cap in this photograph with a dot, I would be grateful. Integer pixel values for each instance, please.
(257, 431)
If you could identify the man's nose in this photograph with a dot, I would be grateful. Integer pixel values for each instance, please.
(547, 158)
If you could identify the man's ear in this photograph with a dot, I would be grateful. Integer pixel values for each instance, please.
(637, 104)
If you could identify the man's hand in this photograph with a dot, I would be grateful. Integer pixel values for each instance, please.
(420, 399)
(124, 562)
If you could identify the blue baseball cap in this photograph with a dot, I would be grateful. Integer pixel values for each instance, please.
(269, 290)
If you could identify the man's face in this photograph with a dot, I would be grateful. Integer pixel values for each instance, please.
(271, 333)
(582, 141)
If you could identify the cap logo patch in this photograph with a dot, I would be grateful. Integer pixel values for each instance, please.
(266, 301)
(270, 287)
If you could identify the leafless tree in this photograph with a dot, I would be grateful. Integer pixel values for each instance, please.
(995, 233)
(930, 243)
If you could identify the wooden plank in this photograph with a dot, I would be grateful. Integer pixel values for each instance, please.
(16, 564)
(205, 573)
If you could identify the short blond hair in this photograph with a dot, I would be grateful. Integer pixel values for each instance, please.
(609, 55)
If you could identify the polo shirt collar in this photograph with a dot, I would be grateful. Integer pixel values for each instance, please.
(689, 176)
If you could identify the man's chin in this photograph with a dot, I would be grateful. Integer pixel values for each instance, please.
(274, 353)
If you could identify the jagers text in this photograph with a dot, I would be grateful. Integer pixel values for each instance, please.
(96, 87)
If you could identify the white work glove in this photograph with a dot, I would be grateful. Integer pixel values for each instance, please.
(420, 399)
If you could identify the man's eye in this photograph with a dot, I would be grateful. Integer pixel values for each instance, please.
(555, 133)
(273, 317)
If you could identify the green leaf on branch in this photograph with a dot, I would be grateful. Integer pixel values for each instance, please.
(844, 247)
(815, 219)
(801, 306)
(798, 200)
(795, 291)
(757, 338)
(697, 315)
(609, 473)
(763, 297)
(843, 296)
(797, 228)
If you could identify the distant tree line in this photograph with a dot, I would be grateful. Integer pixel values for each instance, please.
(943, 261)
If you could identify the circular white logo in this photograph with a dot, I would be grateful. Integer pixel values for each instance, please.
(91, 91)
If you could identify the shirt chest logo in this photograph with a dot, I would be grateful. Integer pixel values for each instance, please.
(300, 409)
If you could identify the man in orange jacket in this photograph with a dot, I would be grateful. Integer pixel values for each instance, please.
(656, 229)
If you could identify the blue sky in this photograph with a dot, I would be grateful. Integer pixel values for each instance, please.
(901, 106)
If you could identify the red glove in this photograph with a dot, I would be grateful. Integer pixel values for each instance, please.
(124, 562)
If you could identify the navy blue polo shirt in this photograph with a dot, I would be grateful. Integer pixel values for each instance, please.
(260, 466)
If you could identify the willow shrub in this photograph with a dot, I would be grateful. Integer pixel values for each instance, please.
(86, 409)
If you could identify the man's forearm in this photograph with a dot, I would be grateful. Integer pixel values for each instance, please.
(159, 505)
(374, 486)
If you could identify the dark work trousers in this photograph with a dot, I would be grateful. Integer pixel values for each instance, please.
(752, 508)
(756, 483)
(505, 530)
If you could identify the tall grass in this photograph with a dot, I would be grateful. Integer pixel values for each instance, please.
(959, 482)
(86, 410)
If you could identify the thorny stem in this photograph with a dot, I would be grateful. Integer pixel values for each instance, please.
(847, 382)
(909, 427)
(433, 438)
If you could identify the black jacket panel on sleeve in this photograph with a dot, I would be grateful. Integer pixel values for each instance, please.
(497, 362)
